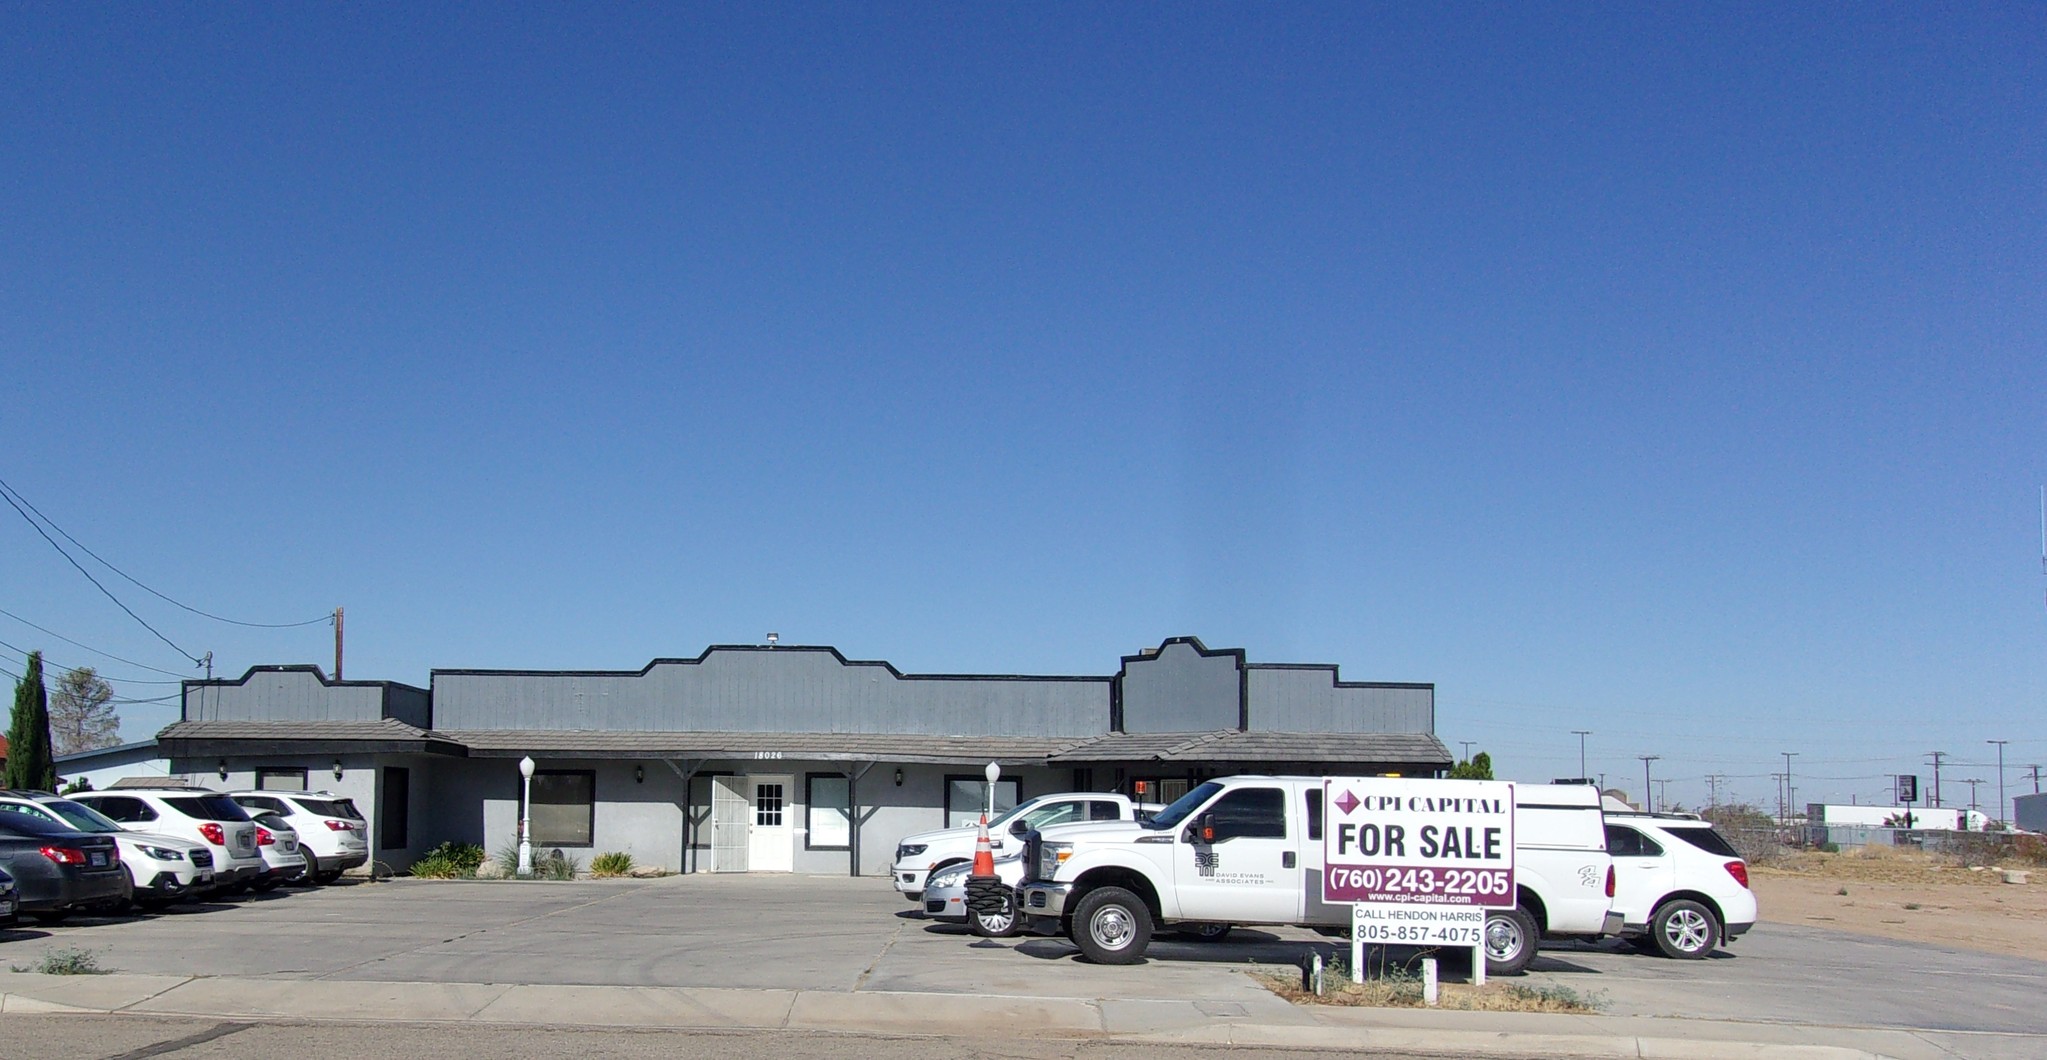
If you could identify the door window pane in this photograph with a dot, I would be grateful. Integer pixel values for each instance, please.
(1250, 813)
(767, 805)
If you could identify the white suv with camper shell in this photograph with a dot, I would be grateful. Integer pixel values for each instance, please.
(189, 812)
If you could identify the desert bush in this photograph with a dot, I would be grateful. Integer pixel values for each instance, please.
(449, 861)
(65, 962)
(614, 863)
(547, 864)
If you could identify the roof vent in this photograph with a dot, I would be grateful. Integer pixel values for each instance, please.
(773, 638)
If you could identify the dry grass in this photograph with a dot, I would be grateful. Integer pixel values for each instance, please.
(1880, 864)
(1402, 992)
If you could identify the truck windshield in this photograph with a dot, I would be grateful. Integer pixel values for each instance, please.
(1171, 816)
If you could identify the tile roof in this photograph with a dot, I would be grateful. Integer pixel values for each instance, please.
(1232, 746)
(385, 729)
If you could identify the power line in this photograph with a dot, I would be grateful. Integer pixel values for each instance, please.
(14, 494)
(90, 648)
(48, 662)
(7, 495)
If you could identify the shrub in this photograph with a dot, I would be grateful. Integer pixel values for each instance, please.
(65, 962)
(449, 861)
(547, 864)
(614, 863)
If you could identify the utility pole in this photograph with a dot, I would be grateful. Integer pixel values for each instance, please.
(337, 644)
(1646, 759)
(1790, 793)
(1972, 782)
(1467, 748)
(1662, 794)
(1778, 779)
(1937, 756)
(2036, 778)
(2002, 819)
(1581, 734)
(1713, 788)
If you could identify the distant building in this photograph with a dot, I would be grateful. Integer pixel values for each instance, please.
(2031, 814)
(767, 758)
(101, 767)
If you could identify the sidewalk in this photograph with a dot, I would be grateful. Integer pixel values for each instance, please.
(1186, 1022)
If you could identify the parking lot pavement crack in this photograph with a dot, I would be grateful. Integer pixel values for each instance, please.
(893, 938)
(160, 993)
(178, 1045)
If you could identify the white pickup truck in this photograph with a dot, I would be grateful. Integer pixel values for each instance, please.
(918, 856)
(1249, 850)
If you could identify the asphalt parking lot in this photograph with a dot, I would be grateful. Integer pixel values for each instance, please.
(838, 934)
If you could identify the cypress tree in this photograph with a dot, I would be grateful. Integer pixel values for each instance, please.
(29, 765)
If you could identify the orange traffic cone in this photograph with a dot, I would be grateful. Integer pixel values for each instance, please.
(984, 855)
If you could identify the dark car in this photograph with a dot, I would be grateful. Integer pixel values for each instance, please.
(58, 871)
(7, 900)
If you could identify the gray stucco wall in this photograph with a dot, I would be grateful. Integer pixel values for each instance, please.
(771, 690)
(410, 705)
(284, 695)
(1308, 699)
(1182, 690)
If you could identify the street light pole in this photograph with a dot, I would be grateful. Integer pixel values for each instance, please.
(1581, 734)
(993, 773)
(2000, 784)
(526, 816)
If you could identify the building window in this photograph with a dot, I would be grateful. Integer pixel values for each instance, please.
(268, 779)
(564, 809)
(828, 812)
(964, 795)
(393, 817)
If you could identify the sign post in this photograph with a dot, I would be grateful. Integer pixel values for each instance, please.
(1419, 861)
(1908, 793)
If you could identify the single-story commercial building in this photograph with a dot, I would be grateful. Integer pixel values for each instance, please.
(776, 758)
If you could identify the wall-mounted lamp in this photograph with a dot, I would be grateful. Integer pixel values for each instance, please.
(639, 774)
(223, 769)
(337, 769)
(899, 778)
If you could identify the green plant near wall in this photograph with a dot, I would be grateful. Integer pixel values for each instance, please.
(612, 863)
(449, 861)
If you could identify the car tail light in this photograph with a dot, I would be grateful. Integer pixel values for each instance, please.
(65, 855)
(1738, 870)
(1609, 881)
(338, 826)
(214, 834)
(263, 836)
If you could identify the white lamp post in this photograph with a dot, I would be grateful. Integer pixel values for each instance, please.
(993, 773)
(526, 817)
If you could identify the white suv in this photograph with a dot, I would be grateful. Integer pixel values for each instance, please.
(162, 868)
(332, 834)
(1679, 887)
(196, 813)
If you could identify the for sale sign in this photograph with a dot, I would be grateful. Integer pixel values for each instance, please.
(1411, 841)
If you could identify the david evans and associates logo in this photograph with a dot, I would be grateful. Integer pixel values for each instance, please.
(1206, 862)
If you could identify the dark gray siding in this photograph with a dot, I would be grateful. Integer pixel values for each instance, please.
(1182, 689)
(410, 705)
(771, 690)
(283, 695)
(1309, 699)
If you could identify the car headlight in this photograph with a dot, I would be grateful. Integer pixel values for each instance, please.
(909, 850)
(1051, 856)
(949, 876)
(162, 853)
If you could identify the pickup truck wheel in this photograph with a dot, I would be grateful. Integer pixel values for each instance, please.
(1510, 936)
(1111, 926)
(1684, 930)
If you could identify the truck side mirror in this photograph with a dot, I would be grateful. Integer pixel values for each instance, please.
(1019, 826)
(1207, 827)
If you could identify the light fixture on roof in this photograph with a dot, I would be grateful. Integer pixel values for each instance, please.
(772, 638)
(899, 776)
(337, 769)
(223, 769)
(639, 774)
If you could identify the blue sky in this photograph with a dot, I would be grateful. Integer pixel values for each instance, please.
(1675, 374)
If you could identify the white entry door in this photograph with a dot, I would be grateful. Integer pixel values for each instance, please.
(731, 824)
(771, 844)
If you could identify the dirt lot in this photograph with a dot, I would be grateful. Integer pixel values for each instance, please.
(1909, 896)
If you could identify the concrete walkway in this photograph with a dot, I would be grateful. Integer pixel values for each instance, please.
(976, 1016)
